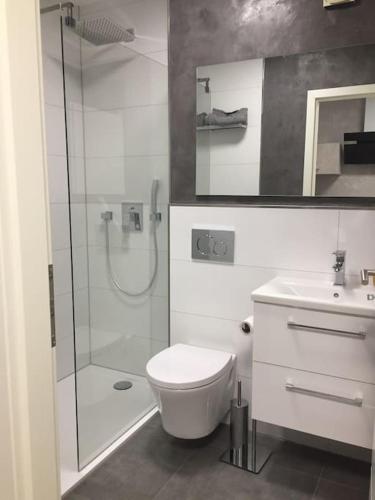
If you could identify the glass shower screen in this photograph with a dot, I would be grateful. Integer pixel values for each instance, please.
(116, 105)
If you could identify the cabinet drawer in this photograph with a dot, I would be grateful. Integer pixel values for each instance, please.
(333, 408)
(321, 342)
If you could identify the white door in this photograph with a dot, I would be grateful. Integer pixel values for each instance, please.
(28, 458)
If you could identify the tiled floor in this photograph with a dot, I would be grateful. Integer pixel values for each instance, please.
(153, 465)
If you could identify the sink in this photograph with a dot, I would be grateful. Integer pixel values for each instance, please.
(318, 295)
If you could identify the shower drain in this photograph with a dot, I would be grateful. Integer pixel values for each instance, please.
(123, 385)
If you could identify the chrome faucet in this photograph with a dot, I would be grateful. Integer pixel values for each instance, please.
(339, 267)
(365, 275)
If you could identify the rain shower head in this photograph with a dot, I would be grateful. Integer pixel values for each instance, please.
(101, 30)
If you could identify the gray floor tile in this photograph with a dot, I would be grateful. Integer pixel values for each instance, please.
(154, 445)
(328, 490)
(203, 476)
(122, 479)
(155, 465)
(298, 457)
(347, 471)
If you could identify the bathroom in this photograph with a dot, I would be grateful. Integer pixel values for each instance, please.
(201, 177)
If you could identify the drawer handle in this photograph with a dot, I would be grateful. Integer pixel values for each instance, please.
(356, 401)
(328, 331)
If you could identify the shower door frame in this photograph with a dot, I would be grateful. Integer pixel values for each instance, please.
(27, 372)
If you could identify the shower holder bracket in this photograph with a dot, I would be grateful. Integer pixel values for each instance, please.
(132, 217)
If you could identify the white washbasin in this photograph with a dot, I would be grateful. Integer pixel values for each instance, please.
(318, 295)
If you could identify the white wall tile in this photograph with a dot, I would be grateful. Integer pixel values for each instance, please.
(81, 307)
(139, 173)
(217, 290)
(358, 239)
(105, 176)
(53, 83)
(146, 130)
(104, 134)
(160, 319)
(50, 34)
(75, 127)
(213, 333)
(55, 130)
(79, 225)
(82, 346)
(80, 267)
(73, 84)
(64, 316)
(112, 312)
(60, 233)
(131, 267)
(146, 83)
(160, 57)
(157, 347)
(62, 271)
(57, 179)
(150, 19)
(77, 178)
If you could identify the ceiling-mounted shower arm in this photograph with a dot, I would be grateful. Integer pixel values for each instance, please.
(59, 6)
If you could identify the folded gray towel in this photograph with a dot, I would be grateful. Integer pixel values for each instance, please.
(202, 120)
(220, 118)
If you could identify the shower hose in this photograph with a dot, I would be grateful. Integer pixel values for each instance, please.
(155, 268)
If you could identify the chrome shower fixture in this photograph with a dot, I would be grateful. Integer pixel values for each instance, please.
(100, 30)
(206, 82)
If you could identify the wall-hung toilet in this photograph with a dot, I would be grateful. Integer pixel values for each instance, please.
(193, 388)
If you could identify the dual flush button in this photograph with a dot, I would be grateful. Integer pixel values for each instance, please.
(213, 245)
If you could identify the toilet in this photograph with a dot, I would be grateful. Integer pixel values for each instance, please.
(193, 387)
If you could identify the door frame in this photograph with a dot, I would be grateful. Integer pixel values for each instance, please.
(28, 452)
(314, 98)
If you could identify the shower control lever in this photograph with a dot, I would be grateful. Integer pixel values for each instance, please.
(132, 217)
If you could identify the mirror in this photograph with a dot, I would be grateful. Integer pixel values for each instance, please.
(299, 125)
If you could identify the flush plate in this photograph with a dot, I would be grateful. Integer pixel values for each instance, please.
(213, 245)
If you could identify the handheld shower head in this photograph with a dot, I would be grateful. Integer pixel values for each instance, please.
(154, 214)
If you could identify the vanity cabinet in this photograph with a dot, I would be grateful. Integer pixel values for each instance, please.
(314, 371)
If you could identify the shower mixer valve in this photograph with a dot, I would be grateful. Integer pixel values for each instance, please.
(132, 217)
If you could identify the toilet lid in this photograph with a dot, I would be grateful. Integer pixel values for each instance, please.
(187, 367)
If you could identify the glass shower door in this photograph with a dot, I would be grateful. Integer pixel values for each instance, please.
(117, 127)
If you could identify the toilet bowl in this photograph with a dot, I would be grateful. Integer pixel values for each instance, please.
(193, 387)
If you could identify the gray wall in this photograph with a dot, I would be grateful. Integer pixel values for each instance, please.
(286, 82)
(213, 31)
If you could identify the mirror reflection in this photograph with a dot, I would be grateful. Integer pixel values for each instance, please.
(297, 125)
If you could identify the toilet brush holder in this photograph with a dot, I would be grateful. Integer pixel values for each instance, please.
(246, 455)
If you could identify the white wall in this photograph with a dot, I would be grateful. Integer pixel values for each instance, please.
(234, 160)
(208, 300)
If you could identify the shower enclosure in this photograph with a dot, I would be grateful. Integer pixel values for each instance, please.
(107, 98)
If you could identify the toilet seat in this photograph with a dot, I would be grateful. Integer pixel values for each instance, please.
(187, 367)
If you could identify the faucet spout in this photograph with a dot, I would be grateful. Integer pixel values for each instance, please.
(339, 267)
(365, 275)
